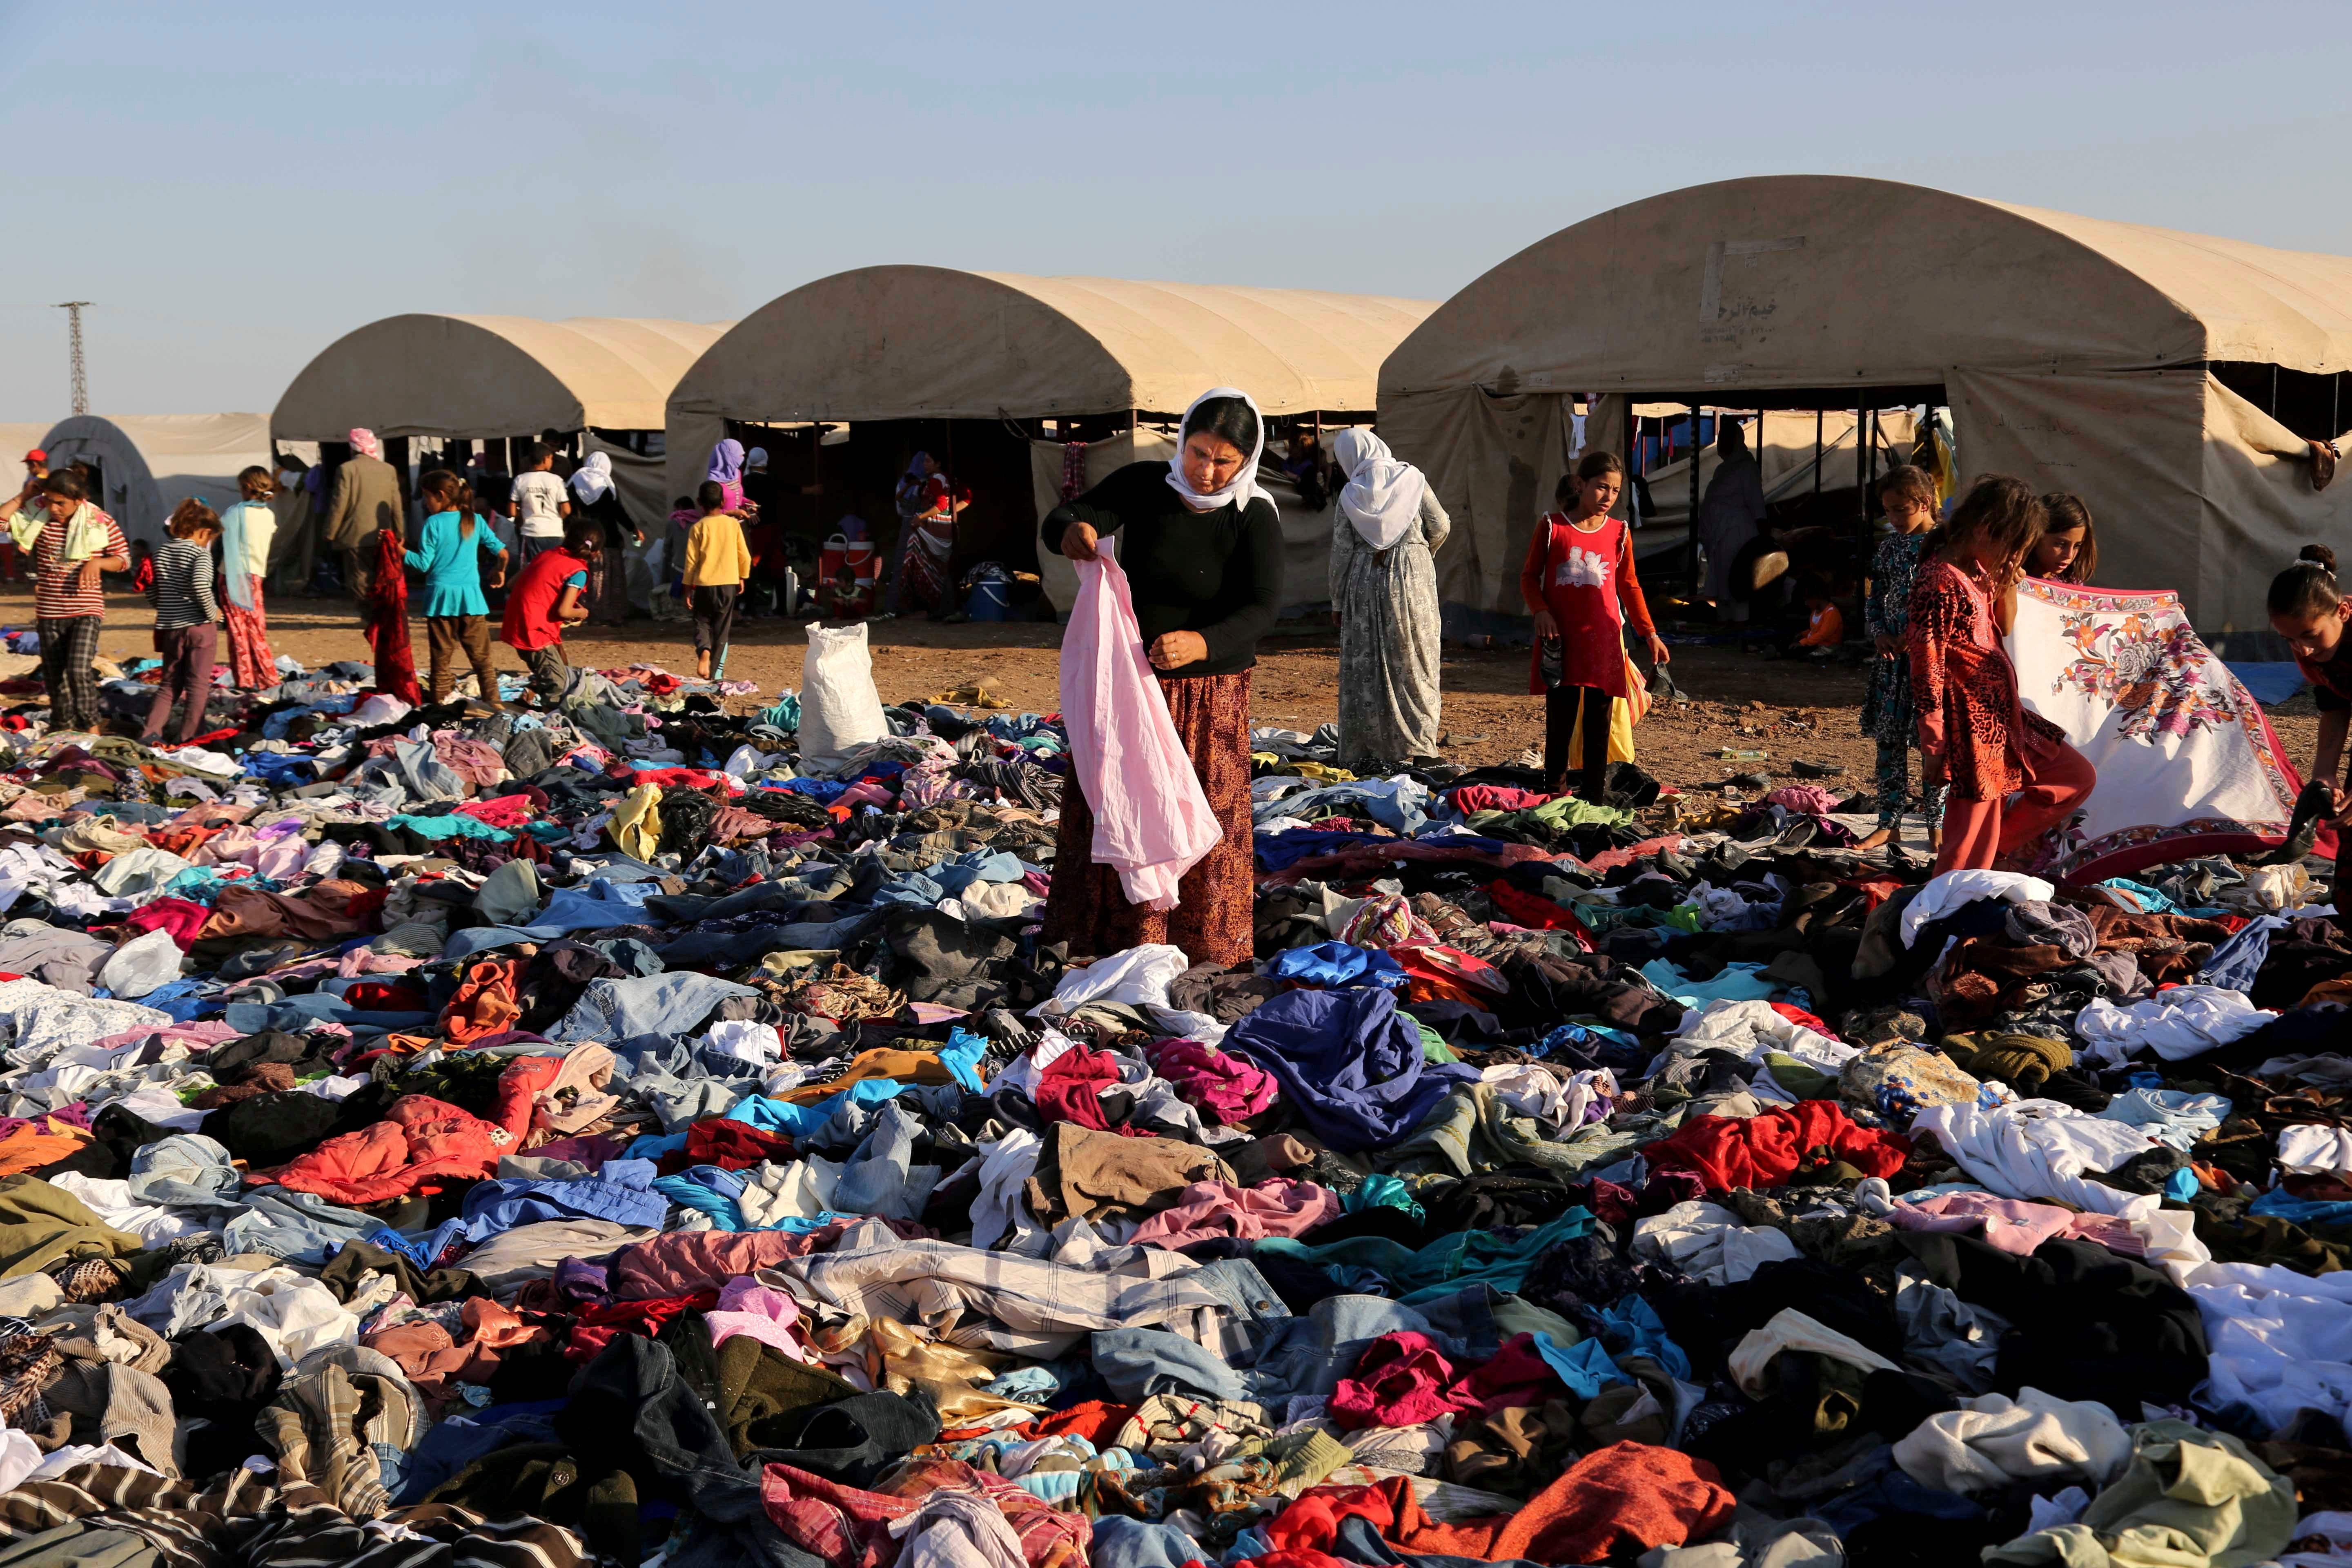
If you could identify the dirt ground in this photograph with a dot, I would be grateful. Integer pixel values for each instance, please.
(1734, 700)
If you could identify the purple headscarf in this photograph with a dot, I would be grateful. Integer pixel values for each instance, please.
(726, 462)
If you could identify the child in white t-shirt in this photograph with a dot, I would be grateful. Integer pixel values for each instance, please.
(541, 502)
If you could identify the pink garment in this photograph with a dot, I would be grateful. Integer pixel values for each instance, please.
(1811, 799)
(685, 1261)
(747, 1307)
(2015, 1226)
(182, 918)
(277, 851)
(1232, 1087)
(1206, 1211)
(1152, 821)
(1471, 798)
(364, 443)
(195, 1037)
(1402, 1381)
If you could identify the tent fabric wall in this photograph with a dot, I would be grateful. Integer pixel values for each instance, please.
(932, 342)
(16, 440)
(638, 481)
(1494, 461)
(2071, 350)
(2258, 507)
(483, 377)
(150, 463)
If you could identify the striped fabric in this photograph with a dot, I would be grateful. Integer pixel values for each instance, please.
(247, 1519)
(183, 590)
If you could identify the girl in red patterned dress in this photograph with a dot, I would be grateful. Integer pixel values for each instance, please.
(1579, 585)
(2013, 776)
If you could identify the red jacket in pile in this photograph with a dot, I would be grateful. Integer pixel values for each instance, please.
(1731, 1151)
(419, 1139)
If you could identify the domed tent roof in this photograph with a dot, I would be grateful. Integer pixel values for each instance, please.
(2072, 351)
(151, 463)
(1823, 281)
(479, 377)
(931, 342)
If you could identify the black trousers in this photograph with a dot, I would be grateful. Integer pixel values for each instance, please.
(1560, 723)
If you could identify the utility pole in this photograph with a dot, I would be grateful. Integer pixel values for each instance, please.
(73, 309)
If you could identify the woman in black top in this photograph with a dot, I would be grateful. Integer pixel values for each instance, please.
(1201, 544)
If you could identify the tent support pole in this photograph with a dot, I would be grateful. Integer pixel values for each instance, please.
(1861, 479)
(1817, 464)
(1690, 552)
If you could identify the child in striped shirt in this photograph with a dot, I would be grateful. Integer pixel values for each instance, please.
(186, 635)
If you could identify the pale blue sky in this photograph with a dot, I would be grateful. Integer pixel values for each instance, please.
(244, 183)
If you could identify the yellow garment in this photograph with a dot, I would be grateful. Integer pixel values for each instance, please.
(947, 1373)
(1620, 734)
(716, 555)
(637, 823)
(972, 694)
(1625, 712)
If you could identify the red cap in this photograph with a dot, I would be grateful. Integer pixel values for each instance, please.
(36, 456)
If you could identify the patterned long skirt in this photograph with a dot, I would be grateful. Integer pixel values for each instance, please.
(1211, 921)
(250, 660)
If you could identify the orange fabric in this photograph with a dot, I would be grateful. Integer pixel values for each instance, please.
(1827, 630)
(419, 1139)
(180, 840)
(882, 1062)
(1622, 1499)
(1619, 1501)
(39, 1145)
(485, 1002)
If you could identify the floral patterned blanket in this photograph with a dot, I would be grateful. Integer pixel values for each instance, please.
(2188, 762)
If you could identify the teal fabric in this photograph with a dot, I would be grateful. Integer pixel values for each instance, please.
(452, 565)
(1444, 1266)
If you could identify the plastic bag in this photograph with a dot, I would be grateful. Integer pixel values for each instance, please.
(839, 707)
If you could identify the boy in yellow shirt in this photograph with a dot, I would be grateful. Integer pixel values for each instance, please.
(716, 563)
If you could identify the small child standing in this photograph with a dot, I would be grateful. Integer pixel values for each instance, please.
(539, 502)
(550, 594)
(1578, 584)
(449, 553)
(716, 563)
(1908, 496)
(186, 635)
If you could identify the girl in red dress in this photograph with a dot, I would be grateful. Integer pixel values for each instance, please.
(2013, 775)
(1579, 585)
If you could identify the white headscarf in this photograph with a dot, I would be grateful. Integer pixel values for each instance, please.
(1382, 495)
(1244, 487)
(594, 477)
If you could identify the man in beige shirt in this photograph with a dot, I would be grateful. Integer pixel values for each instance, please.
(366, 498)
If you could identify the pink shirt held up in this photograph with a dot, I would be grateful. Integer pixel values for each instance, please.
(1152, 820)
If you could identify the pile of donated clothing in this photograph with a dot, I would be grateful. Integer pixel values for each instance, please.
(618, 1133)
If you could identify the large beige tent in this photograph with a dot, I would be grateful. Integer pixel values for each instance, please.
(485, 377)
(935, 344)
(149, 464)
(2083, 355)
